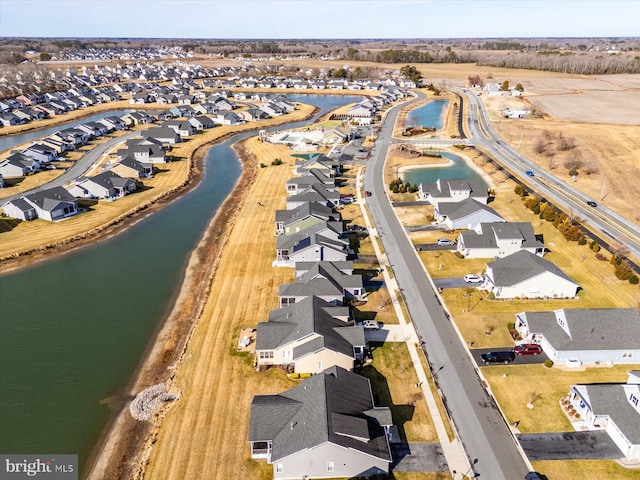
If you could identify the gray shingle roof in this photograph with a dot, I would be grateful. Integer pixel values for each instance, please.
(444, 186)
(312, 235)
(464, 208)
(521, 266)
(305, 210)
(331, 408)
(311, 315)
(49, 199)
(322, 278)
(590, 328)
(491, 232)
(612, 400)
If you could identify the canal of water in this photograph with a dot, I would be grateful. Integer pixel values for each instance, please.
(459, 169)
(429, 115)
(74, 329)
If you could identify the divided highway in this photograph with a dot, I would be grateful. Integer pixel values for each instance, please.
(486, 437)
(601, 220)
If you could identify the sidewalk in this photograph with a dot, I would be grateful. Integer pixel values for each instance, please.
(453, 451)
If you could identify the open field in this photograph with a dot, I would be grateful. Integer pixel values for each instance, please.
(211, 372)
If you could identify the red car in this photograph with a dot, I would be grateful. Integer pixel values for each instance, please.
(527, 349)
(367, 193)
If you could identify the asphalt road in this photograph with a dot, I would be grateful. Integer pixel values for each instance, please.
(611, 226)
(481, 427)
(79, 167)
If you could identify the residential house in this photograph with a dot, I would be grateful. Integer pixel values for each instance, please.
(201, 122)
(303, 217)
(228, 118)
(304, 182)
(333, 282)
(53, 204)
(525, 275)
(614, 408)
(499, 239)
(163, 134)
(20, 209)
(319, 242)
(326, 427)
(465, 214)
(328, 166)
(107, 185)
(129, 167)
(453, 190)
(315, 193)
(145, 152)
(18, 165)
(254, 115)
(584, 335)
(309, 336)
(181, 127)
(9, 119)
(183, 111)
(113, 123)
(515, 113)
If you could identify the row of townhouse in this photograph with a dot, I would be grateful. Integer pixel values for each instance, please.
(328, 426)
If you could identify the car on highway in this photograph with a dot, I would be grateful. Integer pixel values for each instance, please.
(470, 278)
(369, 325)
(527, 349)
(445, 242)
(591, 203)
(367, 193)
(530, 173)
(501, 356)
(532, 476)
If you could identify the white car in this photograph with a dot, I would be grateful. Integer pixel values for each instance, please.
(473, 278)
(369, 325)
(445, 242)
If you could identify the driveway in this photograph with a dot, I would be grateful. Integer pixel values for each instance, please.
(453, 282)
(389, 333)
(569, 446)
(418, 457)
(520, 359)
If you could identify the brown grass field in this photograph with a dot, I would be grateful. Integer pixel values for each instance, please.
(212, 372)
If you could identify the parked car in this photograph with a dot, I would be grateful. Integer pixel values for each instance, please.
(591, 203)
(527, 349)
(346, 200)
(505, 356)
(532, 476)
(367, 193)
(445, 242)
(473, 278)
(369, 325)
(530, 173)
(356, 228)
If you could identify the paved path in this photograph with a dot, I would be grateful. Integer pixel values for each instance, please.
(569, 445)
(418, 457)
(487, 439)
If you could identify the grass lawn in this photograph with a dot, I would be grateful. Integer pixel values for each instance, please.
(585, 470)
(394, 380)
(548, 385)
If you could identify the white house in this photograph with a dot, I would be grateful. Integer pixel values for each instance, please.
(514, 113)
(525, 275)
(465, 214)
(614, 408)
(589, 335)
(453, 190)
(499, 239)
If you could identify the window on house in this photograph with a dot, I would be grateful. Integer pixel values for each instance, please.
(265, 355)
(330, 467)
(279, 468)
(320, 364)
(634, 399)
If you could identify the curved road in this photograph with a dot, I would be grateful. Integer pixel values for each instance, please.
(482, 430)
(612, 226)
(79, 167)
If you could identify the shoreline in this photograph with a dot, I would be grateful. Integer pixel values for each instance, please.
(124, 443)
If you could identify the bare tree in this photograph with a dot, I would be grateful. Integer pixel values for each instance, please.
(540, 146)
(551, 156)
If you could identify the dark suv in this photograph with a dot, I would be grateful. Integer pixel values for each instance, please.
(498, 357)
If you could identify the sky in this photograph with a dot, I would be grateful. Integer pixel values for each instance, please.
(303, 19)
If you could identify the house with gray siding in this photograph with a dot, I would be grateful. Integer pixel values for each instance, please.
(18, 165)
(320, 242)
(572, 336)
(53, 204)
(614, 408)
(333, 282)
(20, 209)
(108, 185)
(304, 182)
(326, 427)
(315, 193)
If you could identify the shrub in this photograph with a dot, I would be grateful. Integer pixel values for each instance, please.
(520, 190)
(623, 270)
(633, 279)
(595, 246)
(491, 296)
(548, 363)
(277, 161)
(511, 326)
(601, 257)
(582, 240)
(573, 172)
(262, 165)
